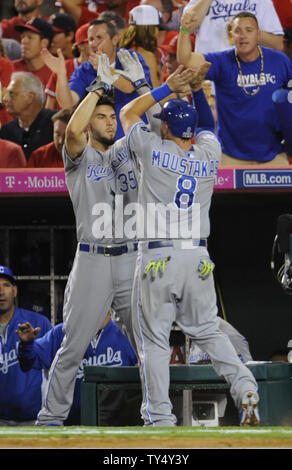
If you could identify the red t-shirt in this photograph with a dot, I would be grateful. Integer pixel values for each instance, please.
(6, 69)
(46, 156)
(8, 27)
(11, 155)
(130, 4)
(169, 36)
(284, 10)
(88, 15)
(43, 73)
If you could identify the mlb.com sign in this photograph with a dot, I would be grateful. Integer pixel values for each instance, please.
(266, 178)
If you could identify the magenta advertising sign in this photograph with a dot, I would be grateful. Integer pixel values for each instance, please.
(33, 181)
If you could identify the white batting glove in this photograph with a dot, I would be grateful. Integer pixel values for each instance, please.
(104, 71)
(132, 68)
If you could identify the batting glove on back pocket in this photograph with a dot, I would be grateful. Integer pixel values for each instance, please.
(156, 268)
(205, 268)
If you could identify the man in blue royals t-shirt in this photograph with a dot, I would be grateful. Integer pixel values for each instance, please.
(245, 79)
(20, 393)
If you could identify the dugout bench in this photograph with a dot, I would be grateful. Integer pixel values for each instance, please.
(274, 382)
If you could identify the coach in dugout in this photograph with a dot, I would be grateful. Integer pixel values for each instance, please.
(20, 393)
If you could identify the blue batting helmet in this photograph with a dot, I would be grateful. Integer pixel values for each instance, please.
(181, 117)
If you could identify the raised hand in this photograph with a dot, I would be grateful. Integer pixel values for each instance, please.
(94, 59)
(132, 68)
(189, 20)
(199, 76)
(95, 56)
(104, 71)
(26, 332)
(179, 80)
(55, 63)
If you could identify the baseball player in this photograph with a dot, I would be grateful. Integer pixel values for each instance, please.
(173, 277)
(102, 275)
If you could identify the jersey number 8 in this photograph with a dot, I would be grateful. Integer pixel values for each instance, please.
(186, 186)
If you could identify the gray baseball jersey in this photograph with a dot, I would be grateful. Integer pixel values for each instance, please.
(87, 179)
(179, 180)
(98, 280)
(169, 285)
(124, 186)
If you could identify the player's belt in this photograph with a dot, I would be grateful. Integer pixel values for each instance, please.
(107, 250)
(161, 244)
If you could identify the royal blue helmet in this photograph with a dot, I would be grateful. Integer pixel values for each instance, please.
(181, 118)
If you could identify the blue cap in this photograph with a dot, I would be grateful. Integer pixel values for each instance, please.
(6, 272)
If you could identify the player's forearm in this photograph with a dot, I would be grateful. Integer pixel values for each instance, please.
(155, 108)
(82, 115)
(273, 41)
(75, 134)
(134, 110)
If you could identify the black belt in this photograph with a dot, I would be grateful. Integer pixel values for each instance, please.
(107, 250)
(158, 244)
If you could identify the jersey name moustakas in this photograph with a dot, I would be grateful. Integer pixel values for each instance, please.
(185, 166)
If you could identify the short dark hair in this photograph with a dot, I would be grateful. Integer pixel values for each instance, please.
(107, 100)
(63, 115)
(245, 14)
(111, 28)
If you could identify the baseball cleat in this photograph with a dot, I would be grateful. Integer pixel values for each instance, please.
(249, 415)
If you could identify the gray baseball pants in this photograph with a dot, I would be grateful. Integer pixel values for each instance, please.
(96, 283)
(180, 296)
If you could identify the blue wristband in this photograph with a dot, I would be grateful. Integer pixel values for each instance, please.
(161, 92)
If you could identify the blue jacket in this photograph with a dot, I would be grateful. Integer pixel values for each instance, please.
(109, 348)
(20, 392)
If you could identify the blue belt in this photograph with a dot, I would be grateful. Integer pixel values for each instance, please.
(107, 250)
(158, 244)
